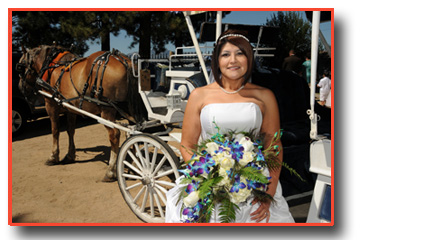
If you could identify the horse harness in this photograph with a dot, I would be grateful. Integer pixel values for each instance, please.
(96, 95)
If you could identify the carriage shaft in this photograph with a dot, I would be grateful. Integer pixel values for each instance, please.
(98, 118)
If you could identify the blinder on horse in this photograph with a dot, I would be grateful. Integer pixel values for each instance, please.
(111, 70)
(25, 70)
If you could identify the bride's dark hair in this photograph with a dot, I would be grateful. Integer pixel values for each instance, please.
(240, 42)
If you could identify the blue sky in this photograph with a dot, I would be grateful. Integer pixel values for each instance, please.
(122, 42)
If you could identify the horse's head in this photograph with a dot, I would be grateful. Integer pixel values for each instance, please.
(30, 66)
(28, 72)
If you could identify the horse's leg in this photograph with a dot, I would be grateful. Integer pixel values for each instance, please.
(53, 111)
(114, 137)
(71, 125)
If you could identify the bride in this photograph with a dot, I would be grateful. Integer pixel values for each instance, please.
(234, 104)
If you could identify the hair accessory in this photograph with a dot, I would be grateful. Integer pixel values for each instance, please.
(233, 35)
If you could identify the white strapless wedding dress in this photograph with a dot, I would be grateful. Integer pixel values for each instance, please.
(238, 117)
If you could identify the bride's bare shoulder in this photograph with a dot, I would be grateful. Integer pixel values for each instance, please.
(258, 89)
(200, 93)
(263, 94)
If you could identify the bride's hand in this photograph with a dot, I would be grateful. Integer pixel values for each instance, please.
(263, 212)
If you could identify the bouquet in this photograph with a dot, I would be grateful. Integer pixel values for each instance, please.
(226, 170)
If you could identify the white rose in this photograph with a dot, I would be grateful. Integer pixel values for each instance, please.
(247, 144)
(204, 175)
(247, 157)
(238, 137)
(225, 178)
(227, 162)
(211, 147)
(191, 199)
(241, 196)
(217, 158)
(224, 182)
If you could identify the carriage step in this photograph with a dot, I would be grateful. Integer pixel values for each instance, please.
(176, 136)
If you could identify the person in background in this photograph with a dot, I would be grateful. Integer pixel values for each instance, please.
(307, 68)
(325, 87)
(292, 62)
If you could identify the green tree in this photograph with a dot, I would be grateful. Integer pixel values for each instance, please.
(34, 28)
(95, 26)
(295, 33)
(140, 25)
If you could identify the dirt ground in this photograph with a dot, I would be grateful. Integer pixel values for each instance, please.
(71, 193)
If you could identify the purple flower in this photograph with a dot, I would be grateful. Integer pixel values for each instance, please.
(260, 156)
(236, 151)
(202, 165)
(237, 185)
(252, 184)
(193, 186)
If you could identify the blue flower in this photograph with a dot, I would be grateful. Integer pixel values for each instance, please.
(260, 155)
(252, 184)
(200, 166)
(237, 151)
(193, 186)
(237, 185)
(192, 213)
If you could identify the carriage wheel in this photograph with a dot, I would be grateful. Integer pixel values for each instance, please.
(147, 169)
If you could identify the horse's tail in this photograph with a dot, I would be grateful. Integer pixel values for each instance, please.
(135, 104)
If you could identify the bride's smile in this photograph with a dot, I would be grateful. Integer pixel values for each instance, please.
(232, 62)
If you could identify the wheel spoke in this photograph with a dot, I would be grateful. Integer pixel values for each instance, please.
(157, 200)
(145, 199)
(133, 186)
(140, 156)
(145, 146)
(160, 164)
(135, 160)
(160, 194)
(139, 194)
(151, 203)
(126, 175)
(133, 168)
(17, 121)
(154, 159)
(165, 183)
(165, 173)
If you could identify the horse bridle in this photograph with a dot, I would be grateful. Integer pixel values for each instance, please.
(24, 69)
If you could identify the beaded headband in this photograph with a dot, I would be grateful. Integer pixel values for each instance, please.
(233, 35)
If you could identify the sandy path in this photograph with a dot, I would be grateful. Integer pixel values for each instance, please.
(65, 193)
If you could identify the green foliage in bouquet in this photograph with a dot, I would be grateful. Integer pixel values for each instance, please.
(225, 171)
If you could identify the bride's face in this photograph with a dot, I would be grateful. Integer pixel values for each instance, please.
(232, 62)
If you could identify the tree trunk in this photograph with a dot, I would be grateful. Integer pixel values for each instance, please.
(105, 39)
(145, 40)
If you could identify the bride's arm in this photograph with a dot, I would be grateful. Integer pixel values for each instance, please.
(191, 124)
(270, 125)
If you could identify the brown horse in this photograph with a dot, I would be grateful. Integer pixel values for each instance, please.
(103, 78)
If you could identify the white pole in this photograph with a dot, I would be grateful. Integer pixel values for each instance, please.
(314, 63)
(93, 116)
(218, 24)
(196, 45)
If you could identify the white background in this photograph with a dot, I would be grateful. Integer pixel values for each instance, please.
(380, 82)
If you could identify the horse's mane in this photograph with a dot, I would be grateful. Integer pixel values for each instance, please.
(45, 51)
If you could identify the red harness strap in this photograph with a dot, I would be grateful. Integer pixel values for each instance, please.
(48, 72)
